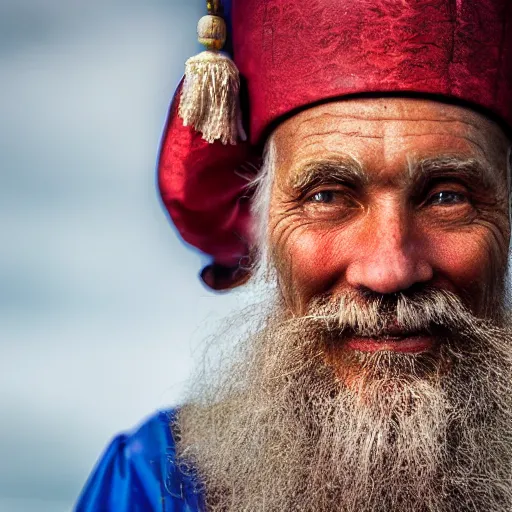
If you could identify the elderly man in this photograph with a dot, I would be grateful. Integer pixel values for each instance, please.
(376, 372)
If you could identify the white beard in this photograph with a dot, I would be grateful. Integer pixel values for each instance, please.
(278, 430)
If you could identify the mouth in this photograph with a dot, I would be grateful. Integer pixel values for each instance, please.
(408, 343)
(394, 339)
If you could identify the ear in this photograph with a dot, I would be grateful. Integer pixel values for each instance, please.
(221, 278)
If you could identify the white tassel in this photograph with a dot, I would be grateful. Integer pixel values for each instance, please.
(210, 98)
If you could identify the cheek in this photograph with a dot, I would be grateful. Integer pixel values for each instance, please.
(469, 262)
(312, 260)
(461, 258)
(310, 263)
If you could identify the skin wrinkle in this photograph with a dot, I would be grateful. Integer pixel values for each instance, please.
(337, 132)
(356, 133)
(363, 136)
(468, 163)
(348, 117)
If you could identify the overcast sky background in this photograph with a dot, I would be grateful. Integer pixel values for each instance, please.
(101, 311)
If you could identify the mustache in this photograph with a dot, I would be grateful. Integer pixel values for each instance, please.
(424, 310)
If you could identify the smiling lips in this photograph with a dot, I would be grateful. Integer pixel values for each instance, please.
(409, 343)
(393, 339)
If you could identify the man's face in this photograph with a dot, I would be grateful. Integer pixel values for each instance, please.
(376, 380)
(380, 196)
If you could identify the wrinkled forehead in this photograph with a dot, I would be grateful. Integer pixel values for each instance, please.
(389, 133)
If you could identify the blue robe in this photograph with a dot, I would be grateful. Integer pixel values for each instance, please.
(138, 473)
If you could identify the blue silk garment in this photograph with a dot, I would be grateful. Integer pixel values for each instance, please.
(138, 473)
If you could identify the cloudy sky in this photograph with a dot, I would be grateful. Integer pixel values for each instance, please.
(101, 312)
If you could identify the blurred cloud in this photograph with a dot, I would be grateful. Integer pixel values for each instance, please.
(100, 305)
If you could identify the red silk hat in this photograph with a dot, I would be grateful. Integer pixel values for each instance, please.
(293, 54)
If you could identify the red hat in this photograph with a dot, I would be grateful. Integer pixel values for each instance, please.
(293, 54)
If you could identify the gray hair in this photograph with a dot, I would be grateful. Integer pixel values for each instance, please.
(260, 207)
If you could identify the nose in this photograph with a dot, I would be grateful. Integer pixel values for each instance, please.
(390, 259)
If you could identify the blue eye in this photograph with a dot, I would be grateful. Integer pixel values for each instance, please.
(326, 196)
(447, 198)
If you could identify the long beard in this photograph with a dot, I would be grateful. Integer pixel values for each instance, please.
(284, 428)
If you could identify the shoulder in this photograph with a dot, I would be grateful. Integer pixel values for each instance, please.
(138, 472)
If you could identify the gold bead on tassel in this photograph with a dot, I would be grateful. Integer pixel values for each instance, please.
(212, 32)
(210, 98)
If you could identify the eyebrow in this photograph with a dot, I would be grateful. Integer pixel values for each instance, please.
(473, 170)
(341, 170)
(348, 170)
